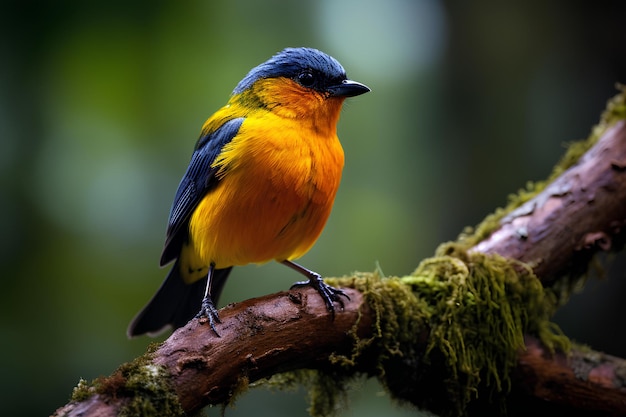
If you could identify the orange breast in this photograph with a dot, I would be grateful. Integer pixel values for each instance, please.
(278, 184)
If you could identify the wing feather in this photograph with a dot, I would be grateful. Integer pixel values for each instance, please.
(199, 179)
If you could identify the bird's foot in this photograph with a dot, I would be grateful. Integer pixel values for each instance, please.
(329, 294)
(209, 313)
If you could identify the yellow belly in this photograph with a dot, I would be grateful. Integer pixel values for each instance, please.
(275, 194)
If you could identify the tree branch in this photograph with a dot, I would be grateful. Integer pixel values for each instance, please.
(580, 212)
(208, 370)
(205, 369)
(583, 383)
(556, 233)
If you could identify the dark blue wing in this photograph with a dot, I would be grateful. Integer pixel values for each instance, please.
(198, 180)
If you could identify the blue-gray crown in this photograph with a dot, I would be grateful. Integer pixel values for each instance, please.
(294, 63)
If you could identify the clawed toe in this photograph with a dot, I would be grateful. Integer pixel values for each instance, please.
(209, 312)
(329, 294)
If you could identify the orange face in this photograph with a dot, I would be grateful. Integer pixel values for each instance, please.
(289, 99)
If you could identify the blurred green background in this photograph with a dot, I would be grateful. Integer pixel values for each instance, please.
(101, 104)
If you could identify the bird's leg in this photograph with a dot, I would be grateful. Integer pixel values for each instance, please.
(328, 293)
(208, 310)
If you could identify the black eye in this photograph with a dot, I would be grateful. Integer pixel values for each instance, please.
(306, 79)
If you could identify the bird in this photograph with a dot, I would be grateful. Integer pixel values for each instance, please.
(260, 186)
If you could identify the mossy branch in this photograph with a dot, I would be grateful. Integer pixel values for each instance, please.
(467, 333)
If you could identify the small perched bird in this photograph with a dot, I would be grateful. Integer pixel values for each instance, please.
(259, 187)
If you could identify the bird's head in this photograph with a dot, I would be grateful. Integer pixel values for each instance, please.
(299, 82)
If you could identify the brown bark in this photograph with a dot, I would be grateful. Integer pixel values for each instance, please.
(258, 338)
(581, 212)
(585, 383)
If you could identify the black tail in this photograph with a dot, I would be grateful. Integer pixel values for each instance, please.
(175, 303)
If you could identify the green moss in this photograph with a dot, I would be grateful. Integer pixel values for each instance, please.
(451, 331)
(82, 391)
(143, 384)
(151, 394)
(445, 335)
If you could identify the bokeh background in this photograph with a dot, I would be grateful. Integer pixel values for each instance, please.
(101, 103)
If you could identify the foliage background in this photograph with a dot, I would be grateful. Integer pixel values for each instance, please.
(101, 102)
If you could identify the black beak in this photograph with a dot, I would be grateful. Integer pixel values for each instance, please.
(348, 88)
